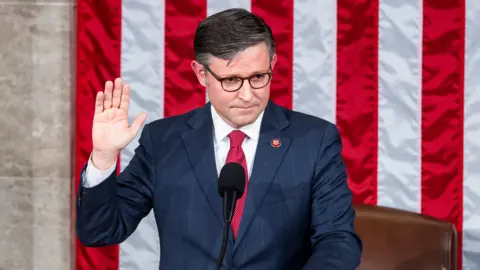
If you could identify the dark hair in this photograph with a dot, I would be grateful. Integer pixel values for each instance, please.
(229, 32)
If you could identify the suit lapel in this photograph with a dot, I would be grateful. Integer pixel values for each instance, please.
(267, 161)
(198, 144)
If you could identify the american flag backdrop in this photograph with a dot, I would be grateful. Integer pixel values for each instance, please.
(400, 78)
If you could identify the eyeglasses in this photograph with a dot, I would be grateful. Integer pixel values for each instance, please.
(232, 84)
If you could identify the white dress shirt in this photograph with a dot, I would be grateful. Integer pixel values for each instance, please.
(221, 144)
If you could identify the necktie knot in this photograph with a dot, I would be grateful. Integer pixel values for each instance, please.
(236, 138)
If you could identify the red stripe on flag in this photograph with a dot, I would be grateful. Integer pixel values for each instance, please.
(98, 60)
(357, 94)
(182, 90)
(279, 16)
(442, 111)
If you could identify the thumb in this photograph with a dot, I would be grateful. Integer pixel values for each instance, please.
(138, 122)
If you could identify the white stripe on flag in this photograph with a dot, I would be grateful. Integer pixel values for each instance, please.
(471, 183)
(399, 104)
(314, 58)
(142, 66)
(214, 6)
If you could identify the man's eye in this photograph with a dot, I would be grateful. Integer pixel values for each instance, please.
(231, 79)
(258, 76)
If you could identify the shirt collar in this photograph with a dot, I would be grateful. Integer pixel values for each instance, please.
(222, 129)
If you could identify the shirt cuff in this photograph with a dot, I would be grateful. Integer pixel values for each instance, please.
(95, 176)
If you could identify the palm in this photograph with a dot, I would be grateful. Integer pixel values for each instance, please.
(111, 130)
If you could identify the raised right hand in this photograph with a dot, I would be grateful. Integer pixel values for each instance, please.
(111, 131)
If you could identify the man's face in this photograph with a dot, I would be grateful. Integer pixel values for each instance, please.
(242, 107)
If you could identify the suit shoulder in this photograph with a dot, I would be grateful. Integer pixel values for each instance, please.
(169, 129)
(304, 121)
(171, 123)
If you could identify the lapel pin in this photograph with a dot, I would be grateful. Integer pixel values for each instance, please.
(276, 143)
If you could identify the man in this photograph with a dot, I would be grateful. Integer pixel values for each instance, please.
(296, 212)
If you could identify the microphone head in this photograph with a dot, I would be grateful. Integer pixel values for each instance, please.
(232, 178)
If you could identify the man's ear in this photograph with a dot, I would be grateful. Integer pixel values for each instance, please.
(274, 61)
(199, 72)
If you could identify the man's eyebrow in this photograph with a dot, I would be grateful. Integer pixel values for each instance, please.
(250, 74)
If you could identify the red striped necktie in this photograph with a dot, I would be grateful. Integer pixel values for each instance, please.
(236, 154)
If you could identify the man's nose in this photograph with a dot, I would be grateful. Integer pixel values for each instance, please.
(246, 91)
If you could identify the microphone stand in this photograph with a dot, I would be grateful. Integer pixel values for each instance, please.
(228, 210)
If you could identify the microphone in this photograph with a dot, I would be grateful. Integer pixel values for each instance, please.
(231, 184)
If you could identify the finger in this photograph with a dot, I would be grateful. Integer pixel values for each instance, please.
(107, 97)
(99, 102)
(138, 122)
(125, 100)
(117, 93)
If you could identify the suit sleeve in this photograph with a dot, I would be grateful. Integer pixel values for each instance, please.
(110, 212)
(335, 245)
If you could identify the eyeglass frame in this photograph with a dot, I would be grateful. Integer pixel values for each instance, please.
(220, 79)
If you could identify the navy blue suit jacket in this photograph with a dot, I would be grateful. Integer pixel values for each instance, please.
(298, 213)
